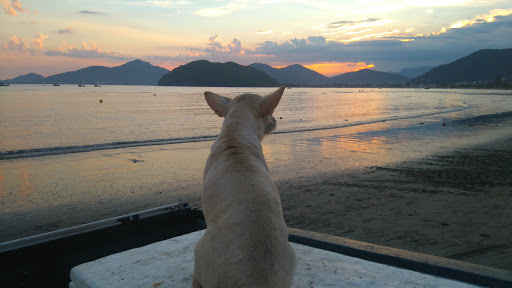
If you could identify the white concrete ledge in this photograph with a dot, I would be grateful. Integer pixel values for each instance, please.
(170, 263)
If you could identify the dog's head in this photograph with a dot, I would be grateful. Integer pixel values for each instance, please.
(247, 107)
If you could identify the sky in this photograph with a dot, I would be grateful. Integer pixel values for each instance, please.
(331, 37)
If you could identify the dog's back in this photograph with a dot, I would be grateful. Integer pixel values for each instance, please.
(246, 242)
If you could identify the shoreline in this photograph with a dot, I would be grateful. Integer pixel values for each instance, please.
(424, 188)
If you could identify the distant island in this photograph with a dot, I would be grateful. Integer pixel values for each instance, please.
(488, 68)
(209, 74)
(293, 74)
(135, 72)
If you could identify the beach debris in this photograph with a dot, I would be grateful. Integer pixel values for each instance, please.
(101, 101)
(280, 117)
(421, 123)
(444, 124)
(136, 160)
(154, 94)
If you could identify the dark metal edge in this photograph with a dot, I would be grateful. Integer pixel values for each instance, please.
(428, 264)
(93, 226)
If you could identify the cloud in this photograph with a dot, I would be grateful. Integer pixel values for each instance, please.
(85, 50)
(487, 18)
(10, 11)
(344, 26)
(37, 42)
(438, 3)
(393, 50)
(235, 47)
(313, 47)
(16, 44)
(16, 4)
(214, 44)
(492, 16)
(224, 10)
(385, 54)
(387, 48)
(214, 50)
(264, 32)
(318, 40)
(91, 12)
(65, 30)
(164, 4)
(11, 8)
(215, 47)
(350, 31)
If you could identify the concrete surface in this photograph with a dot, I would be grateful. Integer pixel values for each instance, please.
(170, 263)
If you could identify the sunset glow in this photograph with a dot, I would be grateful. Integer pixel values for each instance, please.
(50, 37)
(333, 69)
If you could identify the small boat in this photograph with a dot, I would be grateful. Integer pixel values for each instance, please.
(51, 258)
(56, 84)
(5, 84)
(81, 85)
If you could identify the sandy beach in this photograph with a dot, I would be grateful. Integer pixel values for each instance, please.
(438, 190)
(455, 205)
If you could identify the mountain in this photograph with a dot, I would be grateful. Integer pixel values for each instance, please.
(31, 78)
(483, 65)
(204, 73)
(293, 74)
(369, 77)
(135, 72)
(415, 72)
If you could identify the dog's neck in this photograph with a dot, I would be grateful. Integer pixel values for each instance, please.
(241, 129)
(242, 125)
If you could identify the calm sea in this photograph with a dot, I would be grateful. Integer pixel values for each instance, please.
(60, 165)
(38, 120)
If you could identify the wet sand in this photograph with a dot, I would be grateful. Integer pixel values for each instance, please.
(456, 205)
(445, 191)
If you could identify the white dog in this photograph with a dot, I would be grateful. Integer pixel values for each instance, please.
(246, 242)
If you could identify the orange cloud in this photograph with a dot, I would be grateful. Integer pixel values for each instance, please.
(16, 4)
(16, 44)
(38, 40)
(11, 8)
(491, 17)
(334, 68)
(487, 18)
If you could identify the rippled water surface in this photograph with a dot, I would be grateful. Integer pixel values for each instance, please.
(67, 159)
(49, 118)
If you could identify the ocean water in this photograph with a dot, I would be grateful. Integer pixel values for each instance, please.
(38, 120)
(67, 159)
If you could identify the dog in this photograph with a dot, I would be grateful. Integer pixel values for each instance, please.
(246, 240)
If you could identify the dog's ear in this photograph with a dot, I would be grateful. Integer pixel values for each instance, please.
(218, 103)
(270, 101)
